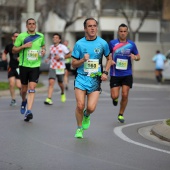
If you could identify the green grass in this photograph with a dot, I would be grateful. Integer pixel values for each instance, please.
(5, 85)
(168, 122)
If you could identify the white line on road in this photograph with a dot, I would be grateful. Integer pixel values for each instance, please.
(105, 93)
(119, 133)
(150, 85)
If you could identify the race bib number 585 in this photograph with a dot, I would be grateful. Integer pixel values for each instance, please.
(91, 65)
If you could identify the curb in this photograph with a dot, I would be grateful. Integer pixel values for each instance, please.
(162, 131)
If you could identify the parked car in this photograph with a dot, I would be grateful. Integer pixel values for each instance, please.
(166, 71)
(44, 66)
(3, 64)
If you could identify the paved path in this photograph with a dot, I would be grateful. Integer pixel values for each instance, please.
(141, 78)
(47, 142)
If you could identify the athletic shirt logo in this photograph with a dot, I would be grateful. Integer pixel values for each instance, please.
(97, 50)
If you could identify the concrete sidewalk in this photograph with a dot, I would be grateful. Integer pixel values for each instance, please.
(162, 131)
(150, 75)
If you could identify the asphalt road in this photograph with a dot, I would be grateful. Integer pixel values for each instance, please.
(47, 142)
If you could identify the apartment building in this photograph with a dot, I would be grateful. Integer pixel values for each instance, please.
(153, 35)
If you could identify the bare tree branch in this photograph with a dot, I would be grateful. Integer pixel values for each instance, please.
(142, 21)
(145, 6)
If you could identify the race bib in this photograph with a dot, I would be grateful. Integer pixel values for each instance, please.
(32, 54)
(59, 71)
(121, 64)
(91, 65)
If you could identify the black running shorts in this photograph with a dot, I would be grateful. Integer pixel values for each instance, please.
(120, 81)
(12, 72)
(28, 74)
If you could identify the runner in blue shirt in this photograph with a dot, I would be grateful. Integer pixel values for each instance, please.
(123, 52)
(87, 59)
(159, 60)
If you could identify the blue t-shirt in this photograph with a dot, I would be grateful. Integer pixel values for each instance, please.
(159, 60)
(121, 55)
(95, 48)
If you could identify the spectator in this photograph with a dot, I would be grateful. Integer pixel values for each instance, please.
(159, 60)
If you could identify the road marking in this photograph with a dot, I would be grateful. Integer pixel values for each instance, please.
(150, 85)
(119, 133)
(105, 93)
(135, 99)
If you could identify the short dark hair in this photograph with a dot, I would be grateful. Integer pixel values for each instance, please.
(57, 35)
(85, 22)
(29, 20)
(16, 32)
(123, 25)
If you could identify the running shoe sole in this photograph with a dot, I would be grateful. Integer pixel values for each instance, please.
(47, 103)
(28, 117)
(79, 133)
(121, 120)
(13, 104)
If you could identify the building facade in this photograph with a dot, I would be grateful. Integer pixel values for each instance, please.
(153, 34)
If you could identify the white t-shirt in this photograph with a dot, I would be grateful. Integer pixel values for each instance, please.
(60, 50)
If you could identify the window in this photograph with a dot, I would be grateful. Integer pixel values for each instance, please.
(147, 37)
(164, 37)
(107, 36)
(79, 35)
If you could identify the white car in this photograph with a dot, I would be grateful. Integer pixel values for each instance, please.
(44, 66)
(166, 71)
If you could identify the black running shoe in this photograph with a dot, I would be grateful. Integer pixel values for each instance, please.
(115, 102)
(28, 116)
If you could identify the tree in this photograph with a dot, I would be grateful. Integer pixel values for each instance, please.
(9, 19)
(131, 9)
(146, 7)
(69, 10)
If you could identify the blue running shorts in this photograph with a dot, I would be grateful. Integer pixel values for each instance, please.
(87, 83)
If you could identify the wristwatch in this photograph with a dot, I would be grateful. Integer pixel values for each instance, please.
(105, 72)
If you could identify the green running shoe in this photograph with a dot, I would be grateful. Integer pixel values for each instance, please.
(86, 122)
(48, 101)
(63, 98)
(121, 118)
(79, 133)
